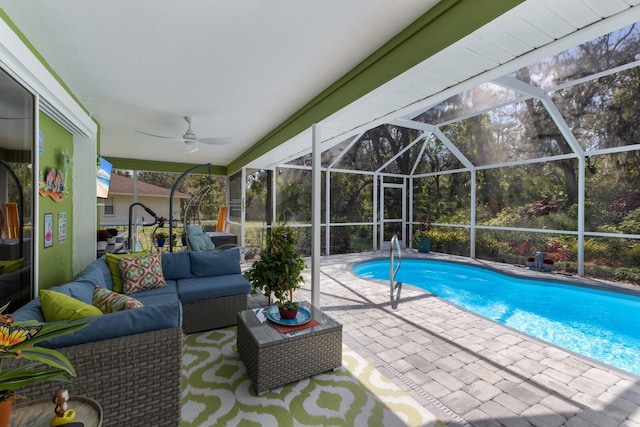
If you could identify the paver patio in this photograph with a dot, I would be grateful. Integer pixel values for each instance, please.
(465, 369)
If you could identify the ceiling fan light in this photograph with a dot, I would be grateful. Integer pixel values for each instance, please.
(191, 146)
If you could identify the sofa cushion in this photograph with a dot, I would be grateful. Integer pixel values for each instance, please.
(202, 288)
(198, 239)
(141, 273)
(114, 267)
(201, 242)
(109, 302)
(159, 295)
(96, 274)
(176, 265)
(82, 291)
(215, 263)
(57, 307)
(122, 323)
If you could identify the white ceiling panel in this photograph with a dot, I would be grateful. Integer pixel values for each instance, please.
(527, 33)
(550, 22)
(471, 61)
(484, 48)
(606, 8)
(575, 11)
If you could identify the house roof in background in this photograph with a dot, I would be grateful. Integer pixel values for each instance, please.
(123, 186)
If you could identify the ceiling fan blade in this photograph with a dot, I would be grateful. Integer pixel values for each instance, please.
(160, 136)
(214, 141)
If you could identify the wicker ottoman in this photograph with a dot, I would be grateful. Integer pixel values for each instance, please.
(273, 359)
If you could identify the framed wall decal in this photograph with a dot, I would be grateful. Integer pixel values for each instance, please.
(62, 227)
(48, 230)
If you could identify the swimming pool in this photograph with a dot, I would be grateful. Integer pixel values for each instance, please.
(596, 323)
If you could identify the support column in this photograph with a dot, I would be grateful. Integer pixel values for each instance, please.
(316, 192)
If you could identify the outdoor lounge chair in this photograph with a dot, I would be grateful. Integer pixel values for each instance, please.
(199, 240)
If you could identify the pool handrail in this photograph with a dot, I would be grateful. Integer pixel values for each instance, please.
(392, 271)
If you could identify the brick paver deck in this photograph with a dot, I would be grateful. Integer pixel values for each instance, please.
(465, 369)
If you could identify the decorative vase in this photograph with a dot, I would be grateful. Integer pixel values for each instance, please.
(102, 245)
(424, 245)
(5, 412)
(285, 313)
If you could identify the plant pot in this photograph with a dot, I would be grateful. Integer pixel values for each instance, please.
(424, 245)
(160, 243)
(5, 412)
(547, 267)
(529, 264)
(111, 241)
(285, 313)
(102, 245)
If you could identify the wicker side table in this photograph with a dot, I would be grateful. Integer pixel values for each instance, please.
(37, 413)
(273, 359)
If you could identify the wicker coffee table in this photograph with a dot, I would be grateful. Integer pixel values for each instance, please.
(273, 359)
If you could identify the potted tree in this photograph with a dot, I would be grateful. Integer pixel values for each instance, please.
(37, 364)
(421, 239)
(278, 271)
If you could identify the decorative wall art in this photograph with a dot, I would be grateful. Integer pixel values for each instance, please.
(53, 182)
(48, 230)
(62, 227)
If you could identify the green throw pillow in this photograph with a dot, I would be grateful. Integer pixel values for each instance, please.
(114, 267)
(57, 306)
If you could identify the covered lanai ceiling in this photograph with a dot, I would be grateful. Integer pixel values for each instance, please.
(241, 68)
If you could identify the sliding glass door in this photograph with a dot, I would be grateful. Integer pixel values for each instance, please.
(17, 130)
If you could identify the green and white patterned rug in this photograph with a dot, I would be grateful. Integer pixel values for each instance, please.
(216, 391)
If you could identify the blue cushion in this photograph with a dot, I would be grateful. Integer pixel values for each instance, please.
(176, 265)
(215, 263)
(198, 239)
(159, 295)
(201, 242)
(79, 290)
(30, 311)
(97, 273)
(203, 288)
(123, 323)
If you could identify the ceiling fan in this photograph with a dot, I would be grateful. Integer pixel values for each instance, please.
(190, 138)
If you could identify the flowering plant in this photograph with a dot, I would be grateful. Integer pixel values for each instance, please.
(161, 221)
(423, 231)
(17, 341)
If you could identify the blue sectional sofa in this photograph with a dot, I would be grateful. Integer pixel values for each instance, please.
(130, 360)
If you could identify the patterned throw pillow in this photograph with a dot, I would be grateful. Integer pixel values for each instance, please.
(108, 301)
(141, 273)
(114, 267)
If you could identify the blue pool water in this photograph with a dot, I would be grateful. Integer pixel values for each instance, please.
(599, 324)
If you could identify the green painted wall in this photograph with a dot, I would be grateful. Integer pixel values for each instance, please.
(55, 263)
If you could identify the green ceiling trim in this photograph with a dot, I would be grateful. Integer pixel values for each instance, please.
(157, 166)
(440, 27)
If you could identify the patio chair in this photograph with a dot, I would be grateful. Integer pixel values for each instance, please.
(199, 240)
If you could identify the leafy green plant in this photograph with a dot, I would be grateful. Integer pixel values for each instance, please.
(18, 342)
(278, 272)
(424, 232)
